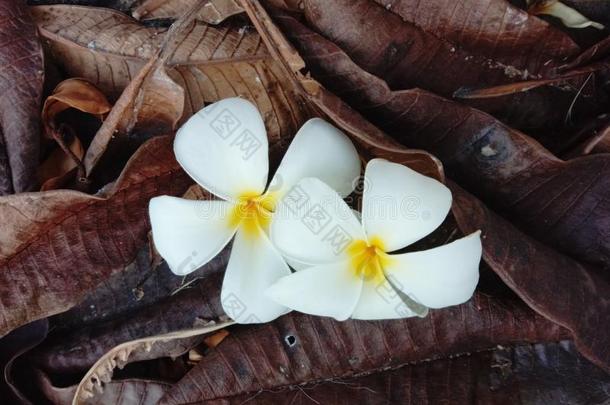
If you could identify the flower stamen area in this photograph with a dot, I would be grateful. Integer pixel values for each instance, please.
(368, 259)
(252, 212)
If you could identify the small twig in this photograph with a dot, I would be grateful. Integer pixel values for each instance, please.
(569, 113)
(185, 285)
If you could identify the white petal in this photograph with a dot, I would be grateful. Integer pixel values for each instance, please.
(187, 233)
(253, 266)
(400, 205)
(439, 277)
(325, 290)
(380, 301)
(224, 148)
(313, 225)
(322, 151)
(568, 16)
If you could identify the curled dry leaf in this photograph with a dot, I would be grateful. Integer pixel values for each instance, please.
(101, 372)
(80, 95)
(213, 12)
(74, 93)
(561, 289)
(59, 169)
(45, 233)
(21, 64)
(123, 392)
(300, 349)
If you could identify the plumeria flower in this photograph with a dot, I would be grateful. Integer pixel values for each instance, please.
(349, 268)
(224, 148)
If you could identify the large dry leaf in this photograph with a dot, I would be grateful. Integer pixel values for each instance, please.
(556, 286)
(562, 203)
(46, 233)
(21, 78)
(498, 43)
(540, 374)
(427, 51)
(298, 348)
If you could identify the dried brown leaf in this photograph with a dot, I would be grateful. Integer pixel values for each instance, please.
(540, 374)
(371, 140)
(556, 286)
(69, 152)
(75, 348)
(21, 64)
(102, 370)
(46, 233)
(299, 348)
(123, 392)
(109, 48)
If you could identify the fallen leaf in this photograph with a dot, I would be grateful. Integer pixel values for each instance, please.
(101, 372)
(371, 140)
(299, 349)
(123, 392)
(394, 45)
(214, 340)
(72, 350)
(76, 94)
(563, 290)
(525, 374)
(45, 233)
(109, 48)
(21, 64)
(57, 169)
(73, 93)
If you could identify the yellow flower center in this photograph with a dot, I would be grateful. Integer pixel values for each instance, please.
(368, 259)
(253, 212)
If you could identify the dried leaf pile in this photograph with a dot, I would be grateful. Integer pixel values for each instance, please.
(506, 101)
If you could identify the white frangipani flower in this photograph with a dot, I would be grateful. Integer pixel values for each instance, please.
(348, 269)
(224, 148)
